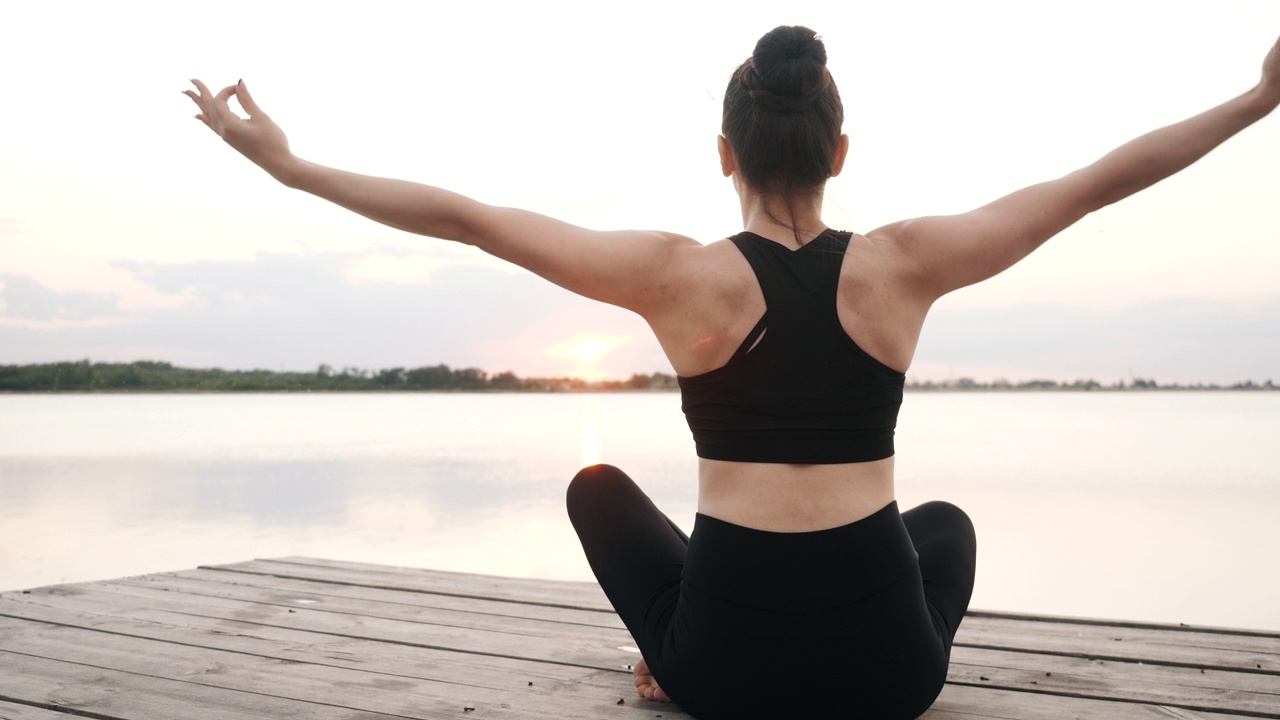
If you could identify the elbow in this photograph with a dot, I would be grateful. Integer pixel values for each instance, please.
(1110, 196)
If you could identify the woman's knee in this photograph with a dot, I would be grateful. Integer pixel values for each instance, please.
(594, 486)
(952, 517)
(939, 515)
(942, 528)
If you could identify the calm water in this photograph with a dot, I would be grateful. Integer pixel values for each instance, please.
(1161, 506)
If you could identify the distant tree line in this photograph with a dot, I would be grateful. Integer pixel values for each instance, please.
(150, 376)
(1078, 385)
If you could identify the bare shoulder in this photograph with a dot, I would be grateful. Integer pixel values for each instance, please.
(710, 304)
(887, 251)
(877, 306)
(701, 275)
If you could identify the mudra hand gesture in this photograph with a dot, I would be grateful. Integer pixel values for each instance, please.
(256, 137)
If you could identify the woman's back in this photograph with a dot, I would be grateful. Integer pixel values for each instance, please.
(704, 332)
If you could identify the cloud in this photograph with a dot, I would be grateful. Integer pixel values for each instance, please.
(26, 304)
(297, 311)
(1183, 339)
(415, 269)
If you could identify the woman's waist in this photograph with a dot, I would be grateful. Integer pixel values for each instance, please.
(815, 570)
(780, 497)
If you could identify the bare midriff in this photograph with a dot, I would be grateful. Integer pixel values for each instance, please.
(793, 498)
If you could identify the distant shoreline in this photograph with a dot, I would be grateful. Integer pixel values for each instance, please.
(162, 377)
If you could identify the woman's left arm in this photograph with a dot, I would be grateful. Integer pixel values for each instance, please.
(943, 253)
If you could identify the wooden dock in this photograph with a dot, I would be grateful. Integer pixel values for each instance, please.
(321, 639)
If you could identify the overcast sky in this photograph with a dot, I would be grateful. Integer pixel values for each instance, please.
(129, 231)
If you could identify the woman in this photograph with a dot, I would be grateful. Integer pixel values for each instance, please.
(802, 591)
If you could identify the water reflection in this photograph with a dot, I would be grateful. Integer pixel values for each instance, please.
(590, 438)
(1156, 508)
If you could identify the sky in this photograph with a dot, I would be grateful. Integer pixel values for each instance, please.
(128, 231)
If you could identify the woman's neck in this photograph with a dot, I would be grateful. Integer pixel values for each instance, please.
(772, 217)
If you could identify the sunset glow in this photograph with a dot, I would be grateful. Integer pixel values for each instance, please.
(584, 351)
(591, 350)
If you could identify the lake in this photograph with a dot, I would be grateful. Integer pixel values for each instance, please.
(1160, 506)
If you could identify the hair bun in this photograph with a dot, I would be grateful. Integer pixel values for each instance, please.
(788, 69)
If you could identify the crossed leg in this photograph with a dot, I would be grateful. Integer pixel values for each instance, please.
(944, 539)
(636, 553)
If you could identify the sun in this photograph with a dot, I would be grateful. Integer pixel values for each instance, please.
(590, 350)
(584, 351)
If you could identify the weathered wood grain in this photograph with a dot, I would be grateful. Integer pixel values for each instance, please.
(547, 644)
(14, 711)
(290, 589)
(353, 689)
(302, 636)
(1194, 649)
(959, 702)
(1130, 682)
(97, 692)
(552, 593)
(319, 648)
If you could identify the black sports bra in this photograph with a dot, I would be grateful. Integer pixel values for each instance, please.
(805, 393)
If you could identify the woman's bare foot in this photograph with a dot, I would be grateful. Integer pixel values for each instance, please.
(646, 685)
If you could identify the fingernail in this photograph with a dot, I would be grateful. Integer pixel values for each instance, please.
(240, 81)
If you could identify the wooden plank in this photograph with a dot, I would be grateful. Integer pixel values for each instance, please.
(1109, 632)
(1168, 688)
(1186, 648)
(355, 689)
(14, 711)
(1075, 620)
(979, 629)
(1174, 687)
(960, 702)
(553, 593)
(472, 617)
(304, 622)
(550, 643)
(1008, 670)
(1210, 680)
(95, 692)
(955, 702)
(318, 648)
(1253, 650)
(394, 603)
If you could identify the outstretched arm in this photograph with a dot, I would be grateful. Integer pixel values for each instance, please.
(943, 253)
(625, 268)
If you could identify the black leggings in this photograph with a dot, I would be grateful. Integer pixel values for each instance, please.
(851, 622)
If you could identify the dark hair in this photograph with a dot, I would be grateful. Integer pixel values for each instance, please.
(783, 115)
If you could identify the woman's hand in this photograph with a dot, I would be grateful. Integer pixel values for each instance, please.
(1270, 83)
(256, 137)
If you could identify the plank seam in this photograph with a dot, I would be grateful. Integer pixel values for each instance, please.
(295, 660)
(60, 709)
(1179, 627)
(224, 688)
(405, 589)
(403, 643)
(1123, 659)
(136, 584)
(1129, 701)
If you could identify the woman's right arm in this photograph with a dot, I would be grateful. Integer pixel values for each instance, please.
(943, 253)
(629, 268)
